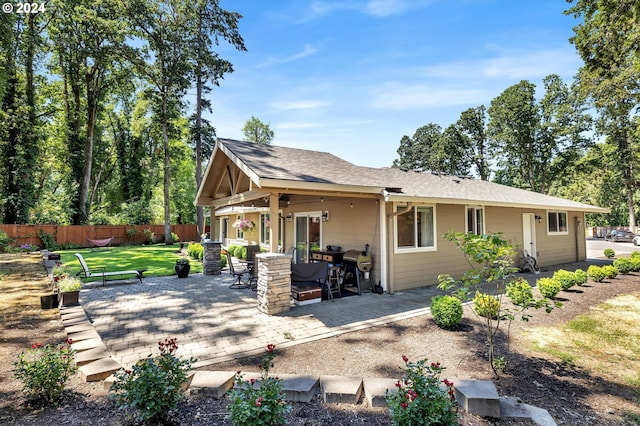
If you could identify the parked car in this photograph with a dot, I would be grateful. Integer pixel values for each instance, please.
(619, 235)
(636, 240)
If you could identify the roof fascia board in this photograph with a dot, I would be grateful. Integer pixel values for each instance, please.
(288, 185)
(239, 198)
(413, 199)
(206, 173)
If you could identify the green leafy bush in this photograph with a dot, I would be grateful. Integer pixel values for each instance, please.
(44, 370)
(623, 265)
(486, 305)
(610, 271)
(223, 261)
(68, 284)
(420, 399)
(566, 278)
(580, 276)
(260, 402)
(609, 253)
(548, 287)
(154, 385)
(5, 242)
(233, 248)
(196, 251)
(596, 273)
(446, 310)
(520, 292)
(635, 262)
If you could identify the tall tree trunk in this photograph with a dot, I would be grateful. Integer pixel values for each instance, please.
(92, 106)
(167, 166)
(198, 140)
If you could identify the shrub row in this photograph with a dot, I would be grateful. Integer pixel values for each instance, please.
(196, 251)
(238, 251)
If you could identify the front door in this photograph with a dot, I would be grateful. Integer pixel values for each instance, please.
(529, 234)
(308, 231)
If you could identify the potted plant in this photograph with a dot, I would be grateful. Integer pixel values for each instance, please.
(182, 267)
(69, 288)
(60, 271)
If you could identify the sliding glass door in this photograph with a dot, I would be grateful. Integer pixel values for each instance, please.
(308, 235)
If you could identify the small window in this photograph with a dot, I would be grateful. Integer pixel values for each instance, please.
(557, 222)
(475, 220)
(265, 226)
(416, 228)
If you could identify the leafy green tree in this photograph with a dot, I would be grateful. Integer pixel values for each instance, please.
(414, 151)
(473, 124)
(257, 131)
(607, 40)
(212, 23)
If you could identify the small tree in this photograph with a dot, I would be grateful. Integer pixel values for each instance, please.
(257, 131)
(491, 259)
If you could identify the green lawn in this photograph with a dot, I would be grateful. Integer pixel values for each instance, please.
(157, 259)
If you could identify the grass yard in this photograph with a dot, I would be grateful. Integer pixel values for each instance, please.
(158, 259)
(606, 340)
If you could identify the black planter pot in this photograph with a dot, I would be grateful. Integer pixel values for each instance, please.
(183, 270)
(49, 301)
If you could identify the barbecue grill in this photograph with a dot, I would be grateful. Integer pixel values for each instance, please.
(357, 265)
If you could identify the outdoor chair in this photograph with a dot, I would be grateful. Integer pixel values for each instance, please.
(242, 273)
(102, 271)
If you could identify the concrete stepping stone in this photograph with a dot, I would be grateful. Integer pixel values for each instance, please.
(516, 410)
(375, 388)
(74, 321)
(83, 335)
(211, 383)
(85, 326)
(73, 314)
(64, 310)
(341, 389)
(98, 370)
(299, 388)
(90, 355)
(84, 345)
(478, 397)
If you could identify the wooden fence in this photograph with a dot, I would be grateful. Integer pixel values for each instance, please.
(79, 234)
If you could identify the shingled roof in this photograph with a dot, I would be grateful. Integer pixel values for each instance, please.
(274, 166)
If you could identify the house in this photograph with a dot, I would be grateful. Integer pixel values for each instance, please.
(309, 200)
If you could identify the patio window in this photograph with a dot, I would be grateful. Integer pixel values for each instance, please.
(475, 220)
(265, 226)
(239, 232)
(415, 229)
(557, 222)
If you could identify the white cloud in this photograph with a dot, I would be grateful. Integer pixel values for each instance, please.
(308, 51)
(400, 96)
(383, 8)
(376, 8)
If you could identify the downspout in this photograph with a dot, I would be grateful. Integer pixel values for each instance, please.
(384, 258)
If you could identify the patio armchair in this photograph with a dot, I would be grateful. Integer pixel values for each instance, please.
(102, 271)
(241, 272)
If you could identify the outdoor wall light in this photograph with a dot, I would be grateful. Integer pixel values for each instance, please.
(325, 216)
(289, 217)
(538, 219)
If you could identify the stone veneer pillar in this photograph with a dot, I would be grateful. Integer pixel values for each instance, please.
(274, 282)
(211, 262)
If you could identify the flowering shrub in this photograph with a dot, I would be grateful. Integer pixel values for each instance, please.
(154, 385)
(259, 402)
(244, 224)
(446, 310)
(549, 287)
(44, 370)
(419, 398)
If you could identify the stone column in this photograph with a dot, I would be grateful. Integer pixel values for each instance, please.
(212, 265)
(274, 282)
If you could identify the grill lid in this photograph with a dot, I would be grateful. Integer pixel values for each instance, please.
(362, 261)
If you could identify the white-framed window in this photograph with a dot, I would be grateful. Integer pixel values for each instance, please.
(557, 223)
(265, 226)
(416, 229)
(475, 220)
(239, 232)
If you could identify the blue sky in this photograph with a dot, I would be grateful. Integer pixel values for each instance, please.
(351, 77)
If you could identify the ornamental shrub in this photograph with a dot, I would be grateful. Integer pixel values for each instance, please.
(623, 265)
(566, 278)
(596, 273)
(486, 305)
(548, 287)
(196, 251)
(609, 253)
(610, 271)
(258, 402)
(44, 370)
(580, 276)
(232, 249)
(520, 292)
(635, 261)
(153, 386)
(419, 398)
(446, 310)
(5, 242)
